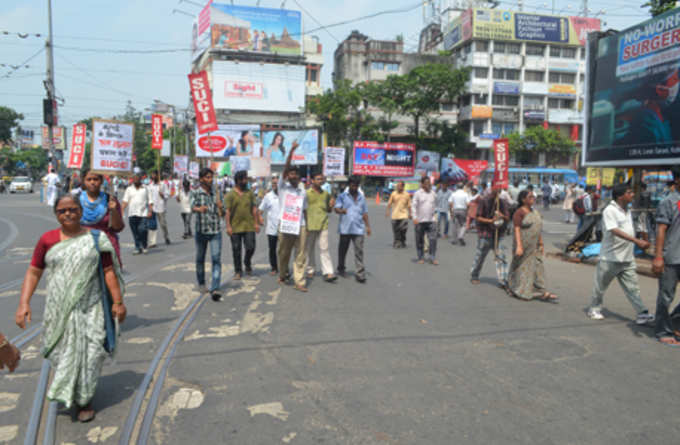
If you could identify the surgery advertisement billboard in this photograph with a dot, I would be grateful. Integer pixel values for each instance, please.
(229, 140)
(497, 24)
(384, 159)
(632, 106)
(258, 86)
(247, 28)
(277, 145)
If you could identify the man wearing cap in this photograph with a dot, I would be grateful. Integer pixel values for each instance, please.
(666, 264)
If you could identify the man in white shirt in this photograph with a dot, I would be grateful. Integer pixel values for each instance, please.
(52, 180)
(159, 192)
(271, 208)
(423, 208)
(137, 200)
(617, 258)
(291, 233)
(458, 206)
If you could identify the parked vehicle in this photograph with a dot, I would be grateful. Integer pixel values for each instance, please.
(21, 184)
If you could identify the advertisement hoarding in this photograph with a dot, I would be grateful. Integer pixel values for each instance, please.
(383, 159)
(58, 136)
(112, 147)
(461, 170)
(505, 88)
(481, 112)
(497, 24)
(229, 140)
(77, 152)
(258, 86)
(334, 161)
(277, 143)
(632, 106)
(249, 29)
(157, 132)
(427, 161)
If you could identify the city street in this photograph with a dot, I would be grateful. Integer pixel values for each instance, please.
(416, 355)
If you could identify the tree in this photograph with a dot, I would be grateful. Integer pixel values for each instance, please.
(540, 140)
(426, 87)
(34, 159)
(342, 114)
(658, 7)
(446, 138)
(8, 120)
(385, 95)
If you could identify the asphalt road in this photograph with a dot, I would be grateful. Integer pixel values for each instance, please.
(417, 355)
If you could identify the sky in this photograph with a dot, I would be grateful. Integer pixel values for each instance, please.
(96, 73)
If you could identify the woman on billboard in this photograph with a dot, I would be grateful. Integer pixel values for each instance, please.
(276, 152)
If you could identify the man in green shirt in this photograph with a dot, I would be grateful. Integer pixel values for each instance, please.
(242, 222)
(319, 205)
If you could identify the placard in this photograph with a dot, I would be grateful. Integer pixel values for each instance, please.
(181, 164)
(112, 146)
(334, 161)
(259, 168)
(165, 150)
(193, 169)
(501, 159)
(239, 163)
(75, 159)
(291, 215)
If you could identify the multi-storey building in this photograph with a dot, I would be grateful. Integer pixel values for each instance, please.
(362, 59)
(525, 69)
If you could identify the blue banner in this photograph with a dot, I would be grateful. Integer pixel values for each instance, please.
(541, 27)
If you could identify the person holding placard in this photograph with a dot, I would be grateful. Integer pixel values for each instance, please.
(292, 231)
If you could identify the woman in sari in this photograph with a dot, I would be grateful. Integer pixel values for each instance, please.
(73, 325)
(101, 211)
(527, 275)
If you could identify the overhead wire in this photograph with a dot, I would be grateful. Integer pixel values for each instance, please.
(317, 22)
(8, 74)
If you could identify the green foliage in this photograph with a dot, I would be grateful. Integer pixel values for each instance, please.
(35, 160)
(426, 87)
(385, 96)
(8, 120)
(658, 7)
(446, 138)
(540, 140)
(342, 115)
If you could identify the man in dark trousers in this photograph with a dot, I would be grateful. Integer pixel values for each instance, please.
(242, 223)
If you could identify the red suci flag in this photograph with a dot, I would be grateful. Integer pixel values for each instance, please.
(502, 159)
(157, 132)
(75, 159)
(203, 104)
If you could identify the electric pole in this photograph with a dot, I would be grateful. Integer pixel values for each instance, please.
(49, 86)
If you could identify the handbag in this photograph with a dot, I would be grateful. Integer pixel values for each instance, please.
(151, 223)
(107, 301)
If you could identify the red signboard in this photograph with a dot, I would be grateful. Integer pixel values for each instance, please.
(473, 168)
(157, 132)
(75, 159)
(384, 159)
(501, 159)
(203, 104)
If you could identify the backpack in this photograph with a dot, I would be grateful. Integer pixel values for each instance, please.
(579, 206)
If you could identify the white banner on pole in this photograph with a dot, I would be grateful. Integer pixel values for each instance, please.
(334, 161)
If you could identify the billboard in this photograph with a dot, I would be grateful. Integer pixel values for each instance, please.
(58, 136)
(258, 86)
(383, 159)
(229, 140)
(247, 28)
(632, 106)
(276, 146)
(462, 170)
(497, 24)
(427, 161)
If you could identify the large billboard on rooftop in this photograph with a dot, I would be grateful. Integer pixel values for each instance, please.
(248, 29)
(497, 24)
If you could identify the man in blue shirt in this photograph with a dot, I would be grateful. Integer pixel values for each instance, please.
(351, 206)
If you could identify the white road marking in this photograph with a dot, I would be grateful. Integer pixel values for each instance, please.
(9, 293)
(289, 438)
(183, 293)
(139, 340)
(8, 433)
(252, 322)
(275, 296)
(274, 409)
(8, 401)
(29, 353)
(100, 434)
(184, 398)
